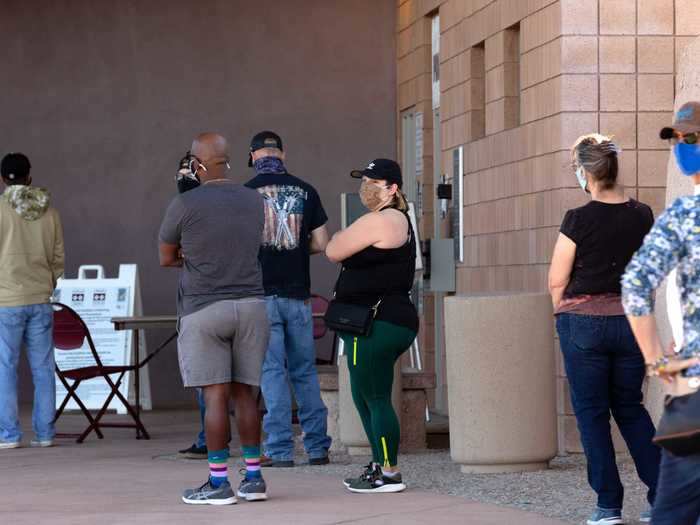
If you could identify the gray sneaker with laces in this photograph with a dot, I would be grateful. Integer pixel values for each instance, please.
(376, 482)
(252, 489)
(605, 517)
(367, 471)
(207, 494)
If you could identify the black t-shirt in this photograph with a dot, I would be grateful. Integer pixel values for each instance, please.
(293, 210)
(387, 274)
(606, 237)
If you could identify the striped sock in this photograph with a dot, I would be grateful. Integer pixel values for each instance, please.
(251, 456)
(218, 467)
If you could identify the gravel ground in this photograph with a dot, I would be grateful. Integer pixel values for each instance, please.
(559, 492)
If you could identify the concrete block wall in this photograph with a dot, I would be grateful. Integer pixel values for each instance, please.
(517, 105)
(414, 91)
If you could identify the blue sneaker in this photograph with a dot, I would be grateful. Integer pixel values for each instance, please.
(645, 516)
(605, 517)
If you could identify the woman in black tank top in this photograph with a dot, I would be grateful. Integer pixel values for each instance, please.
(378, 256)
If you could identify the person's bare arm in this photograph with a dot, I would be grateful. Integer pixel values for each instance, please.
(560, 268)
(647, 334)
(319, 240)
(364, 232)
(170, 255)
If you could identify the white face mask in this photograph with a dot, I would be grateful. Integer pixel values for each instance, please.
(581, 177)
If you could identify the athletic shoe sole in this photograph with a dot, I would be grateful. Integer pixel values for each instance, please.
(384, 489)
(606, 521)
(228, 501)
(41, 444)
(10, 445)
(254, 496)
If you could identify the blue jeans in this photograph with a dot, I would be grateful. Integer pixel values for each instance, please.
(33, 326)
(291, 358)
(201, 437)
(606, 370)
(678, 496)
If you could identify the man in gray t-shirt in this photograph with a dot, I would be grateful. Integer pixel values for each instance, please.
(213, 232)
(218, 227)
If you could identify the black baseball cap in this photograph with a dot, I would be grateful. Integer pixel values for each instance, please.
(264, 139)
(15, 166)
(686, 120)
(381, 169)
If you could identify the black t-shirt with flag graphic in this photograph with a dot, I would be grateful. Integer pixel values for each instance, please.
(293, 210)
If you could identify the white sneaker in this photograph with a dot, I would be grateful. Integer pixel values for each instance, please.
(43, 443)
(10, 444)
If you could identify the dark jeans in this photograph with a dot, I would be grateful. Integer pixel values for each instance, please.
(678, 496)
(605, 369)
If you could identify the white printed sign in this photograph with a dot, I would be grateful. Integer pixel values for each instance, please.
(97, 300)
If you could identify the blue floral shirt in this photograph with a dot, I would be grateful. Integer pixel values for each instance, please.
(673, 242)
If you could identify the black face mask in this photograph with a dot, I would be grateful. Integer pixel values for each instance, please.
(186, 178)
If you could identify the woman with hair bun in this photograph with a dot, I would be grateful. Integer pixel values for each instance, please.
(603, 363)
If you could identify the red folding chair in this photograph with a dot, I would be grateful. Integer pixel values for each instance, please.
(319, 305)
(69, 333)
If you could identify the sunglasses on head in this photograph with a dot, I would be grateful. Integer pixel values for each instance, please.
(687, 138)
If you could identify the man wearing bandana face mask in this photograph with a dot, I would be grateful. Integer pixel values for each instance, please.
(673, 244)
(294, 230)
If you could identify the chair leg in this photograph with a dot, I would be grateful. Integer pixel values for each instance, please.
(135, 416)
(98, 417)
(71, 393)
(86, 411)
(60, 409)
(68, 395)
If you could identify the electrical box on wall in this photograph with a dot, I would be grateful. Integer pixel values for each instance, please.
(444, 191)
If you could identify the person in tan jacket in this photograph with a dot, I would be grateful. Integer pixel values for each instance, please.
(31, 261)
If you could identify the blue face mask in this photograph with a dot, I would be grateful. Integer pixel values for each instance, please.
(687, 158)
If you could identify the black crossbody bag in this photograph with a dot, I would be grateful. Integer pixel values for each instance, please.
(350, 318)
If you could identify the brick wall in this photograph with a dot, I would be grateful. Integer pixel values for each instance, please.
(520, 81)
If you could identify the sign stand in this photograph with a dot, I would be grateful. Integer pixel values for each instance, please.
(97, 299)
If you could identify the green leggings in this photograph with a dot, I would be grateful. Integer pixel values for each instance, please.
(371, 363)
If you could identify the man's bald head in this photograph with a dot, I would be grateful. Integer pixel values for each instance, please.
(212, 151)
(209, 145)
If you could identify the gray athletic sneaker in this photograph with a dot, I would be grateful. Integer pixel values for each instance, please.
(252, 489)
(376, 482)
(369, 468)
(605, 517)
(208, 495)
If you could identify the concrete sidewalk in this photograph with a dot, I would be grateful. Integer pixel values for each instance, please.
(119, 480)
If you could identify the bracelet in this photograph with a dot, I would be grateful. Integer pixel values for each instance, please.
(657, 367)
